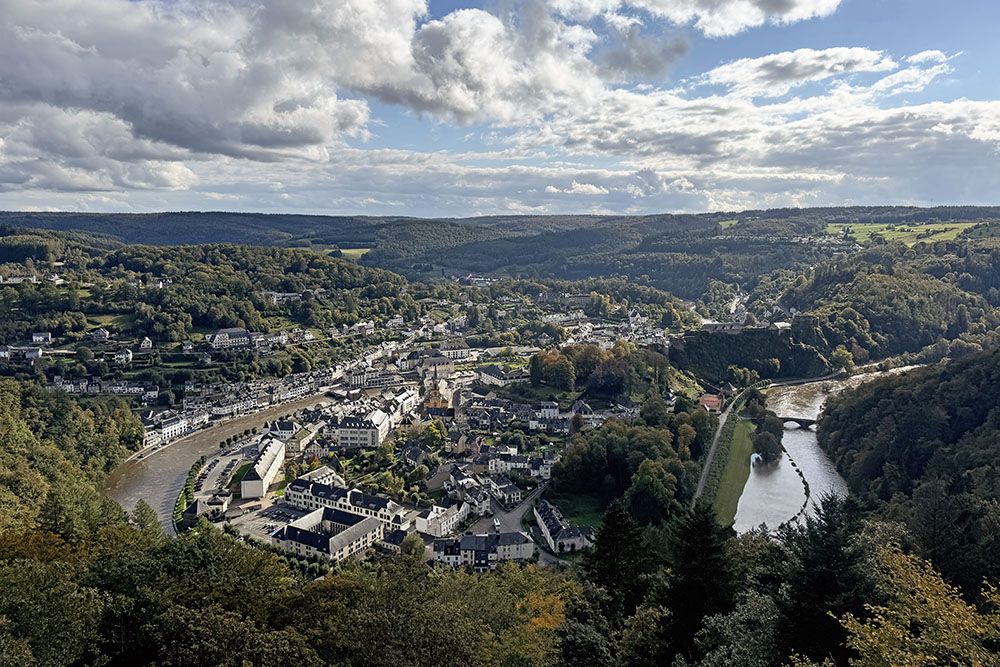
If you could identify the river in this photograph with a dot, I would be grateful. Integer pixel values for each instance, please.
(159, 476)
(775, 493)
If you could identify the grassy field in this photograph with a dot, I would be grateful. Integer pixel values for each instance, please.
(354, 253)
(523, 391)
(735, 474)
(908, 234)
(726, 224)
(684, 384)
(579, 509)
(115, 321)
(234, 485)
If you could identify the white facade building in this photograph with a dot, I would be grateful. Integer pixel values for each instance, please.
(265, 468)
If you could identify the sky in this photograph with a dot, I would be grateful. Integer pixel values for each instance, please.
(460, 108)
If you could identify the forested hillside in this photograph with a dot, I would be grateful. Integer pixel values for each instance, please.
(678, 253)
(892, 299)
(53, 452)
(925, 446)
(199, 288)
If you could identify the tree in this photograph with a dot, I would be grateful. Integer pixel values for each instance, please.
(536, 370)
(144, 518)
(586, 637)
(747, 636)
(700, 582)
(651, 493)
(767, 446)
(561, 374)
(824, 573)
(412, 546)
(619, 561)
(654, 411)
(925, 621)
(686, 436)
(841, 358)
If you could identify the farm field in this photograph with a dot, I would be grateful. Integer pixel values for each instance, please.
(908, 234)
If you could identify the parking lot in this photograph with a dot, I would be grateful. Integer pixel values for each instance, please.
(262, 524)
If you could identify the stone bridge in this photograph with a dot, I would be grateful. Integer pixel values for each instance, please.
(803, 422)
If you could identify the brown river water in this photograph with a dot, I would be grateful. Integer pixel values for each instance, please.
(159, 476)
(775, 493)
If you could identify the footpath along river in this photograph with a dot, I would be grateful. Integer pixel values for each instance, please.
(776, 493)
(159, 476)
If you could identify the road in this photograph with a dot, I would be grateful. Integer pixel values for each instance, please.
(510, 521)
(159, 476)
(707, 466)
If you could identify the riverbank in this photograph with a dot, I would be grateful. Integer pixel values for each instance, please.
(159, 476)
(735, 474)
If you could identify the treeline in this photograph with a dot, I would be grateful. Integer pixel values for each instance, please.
(126, 595)
(204, 287)
(651, 463)
(835, 590)
(54, 451)
(924, 446)
(769, 353)
(891, 299)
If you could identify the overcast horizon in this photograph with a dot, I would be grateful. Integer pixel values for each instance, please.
(459, 109)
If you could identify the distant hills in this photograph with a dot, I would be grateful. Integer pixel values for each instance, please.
(680, 253)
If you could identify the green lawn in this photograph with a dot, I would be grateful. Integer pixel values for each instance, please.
(234, 485)
(524, 391)
(735, 474)
(354, 253)
(579, 509)
(116, 321)
(726, 224)
(908, 234)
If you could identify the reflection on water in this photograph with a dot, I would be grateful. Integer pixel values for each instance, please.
(775, 493)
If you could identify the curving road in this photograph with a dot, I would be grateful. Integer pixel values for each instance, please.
(159, 476)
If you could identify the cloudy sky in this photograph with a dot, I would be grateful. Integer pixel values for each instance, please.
(448, 107)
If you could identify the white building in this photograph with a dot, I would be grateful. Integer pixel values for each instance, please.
(265, 468)
(382, 423)
(548, 410)
(123, 357)
(41, 338)
(439, 521)
(355, 432)
(283, 429)
(329, 533)
(560, 536)
(174, 427)
(496, 376)
(229, 338)
(455, 350)
(309, 495)
(484, 552)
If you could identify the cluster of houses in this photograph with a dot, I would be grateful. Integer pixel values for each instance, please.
(494, 414)
(339, 522)
(147, 393)
(204, 403)
(485, 551)
(480, 490)
(237, 338)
